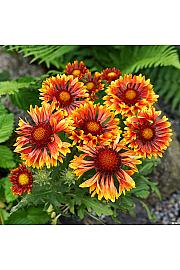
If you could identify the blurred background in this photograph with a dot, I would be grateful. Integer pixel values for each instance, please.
(24, 67)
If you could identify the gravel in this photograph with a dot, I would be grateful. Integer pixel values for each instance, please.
(168, 210)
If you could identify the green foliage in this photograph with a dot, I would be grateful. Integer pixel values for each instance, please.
(127, 58)
(8, 193)
(166, 81)
(133, 58)
(6, 157)
(45, 53)
(28, 216)
(6, 124)
(11, 87)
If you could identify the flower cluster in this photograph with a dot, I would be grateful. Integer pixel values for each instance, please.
(110, 120)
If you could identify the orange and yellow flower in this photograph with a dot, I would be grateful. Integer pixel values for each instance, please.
(129, 94)
(147, 133)
(111, 166)
(22, 180)
(65, 91)
(39, 143)
(76, 69)
(93, 84)
(110, 74)
(95, 123)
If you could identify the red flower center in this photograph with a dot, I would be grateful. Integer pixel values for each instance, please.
(147, 133)
(41, 134)
(76, 72)
(23, 179)
(90, 85)
(108, 161)
(65, 98)
(92, 127)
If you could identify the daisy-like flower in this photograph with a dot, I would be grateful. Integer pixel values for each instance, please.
(111, 167)
(147, 133)
(95, 123)
(39, 143)
(76, 69)
(93, 84)
(22, 180)
(110, 74)
(129, 94)
(65, 91)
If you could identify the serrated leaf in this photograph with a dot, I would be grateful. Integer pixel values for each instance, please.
(11, 87)
(28, 216)
(147, 168)
(6, 157)
(141, 193)
(8, 193)
(6, 126)
(98, 207)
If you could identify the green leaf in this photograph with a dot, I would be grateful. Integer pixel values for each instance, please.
(98, 207)
(6, 157)
(29, 216)
(8, 193)
(26, 97)
(11, 87)
(147, 168)
(81, 211)
(141, 193)
(3, 216)
(151, 216)
(6, 126)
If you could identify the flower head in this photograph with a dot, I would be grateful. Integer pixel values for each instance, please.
(65, 91)
(147, 133)
(93, 84)
(111, 166)
(22, 181)
(129, 94)
(39, 143)
(76, 69)
(95, 123)
(110, 74)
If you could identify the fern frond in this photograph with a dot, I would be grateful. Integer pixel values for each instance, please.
(166, 81)
(50, 54)
(133, 58)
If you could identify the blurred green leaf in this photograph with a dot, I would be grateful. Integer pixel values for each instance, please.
(28, 216)
(8, 193)
(6, 157)
(6, 126)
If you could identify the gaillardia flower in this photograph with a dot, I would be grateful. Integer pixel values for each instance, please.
(22, 181)
(129, 94)
(39, 143)
(65, 91)
(95, 123)
(93, 84)
(76, 69)
(147, 133)
(111, 167)
(110, 74)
